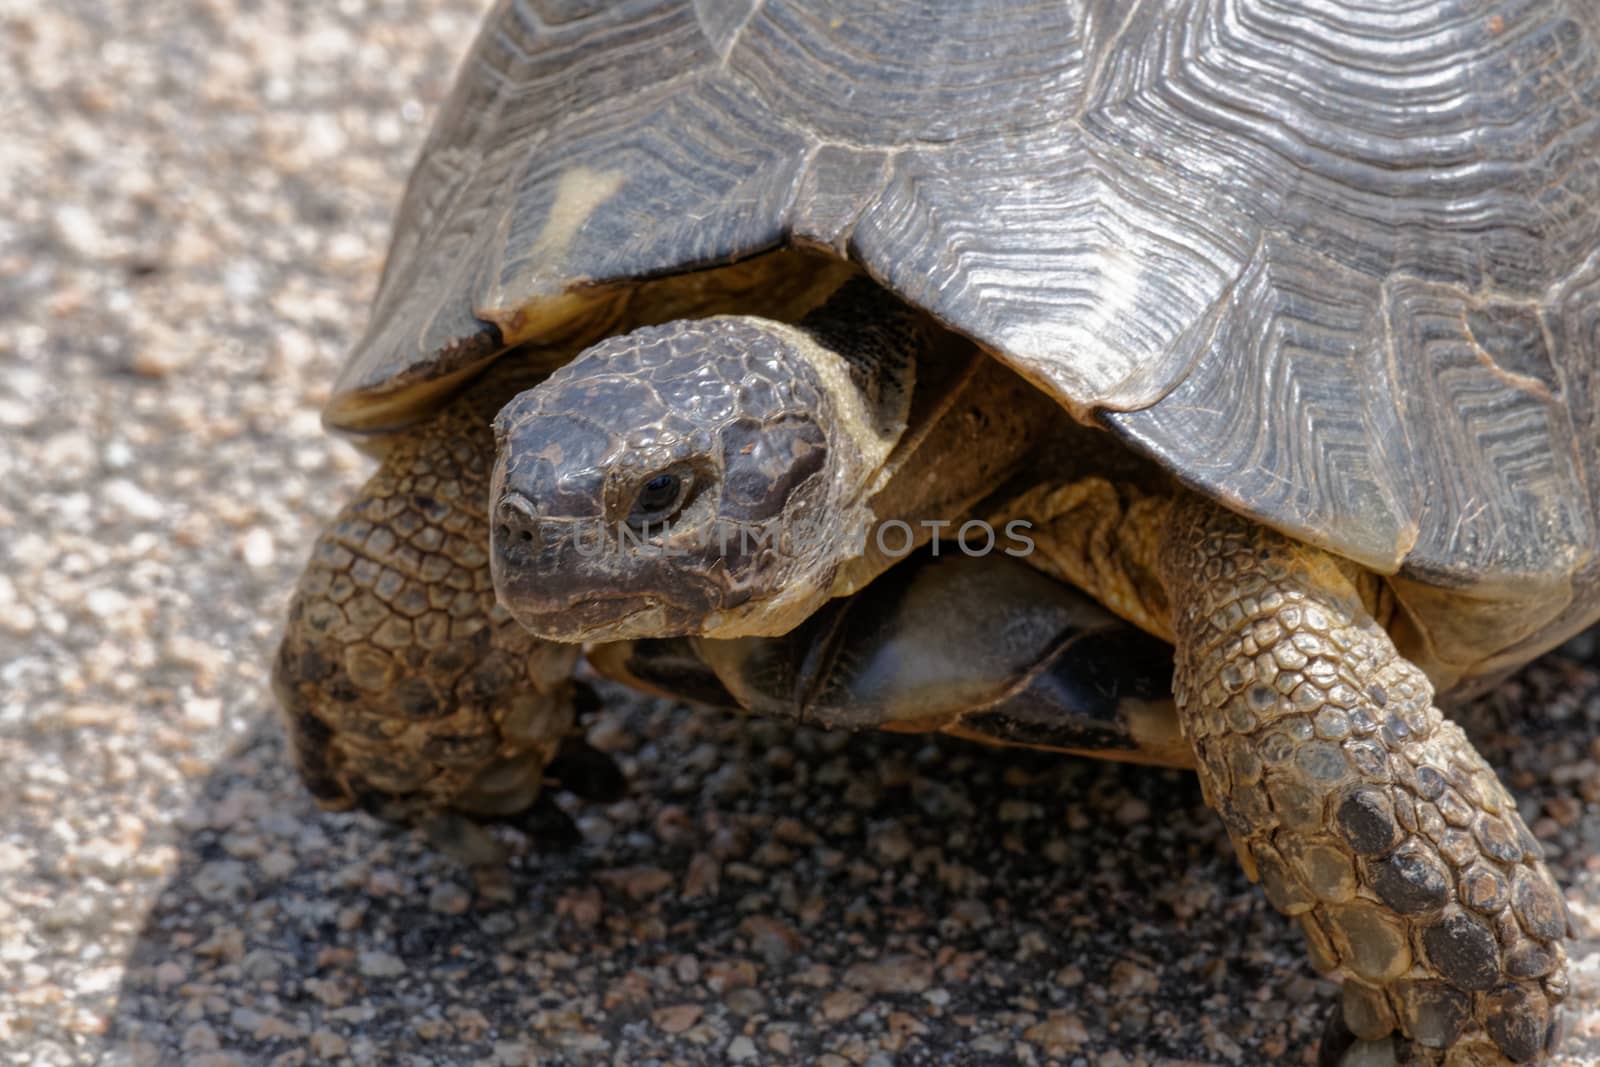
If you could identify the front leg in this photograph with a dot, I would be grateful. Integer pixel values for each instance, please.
(407, 690)
(1363, 812)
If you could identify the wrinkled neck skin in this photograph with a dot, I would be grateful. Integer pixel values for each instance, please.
(926, 425)
(975, 425)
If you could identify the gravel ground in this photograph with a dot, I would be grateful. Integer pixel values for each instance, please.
(197, 196)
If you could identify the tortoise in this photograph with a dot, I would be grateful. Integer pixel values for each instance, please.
(1275, 322)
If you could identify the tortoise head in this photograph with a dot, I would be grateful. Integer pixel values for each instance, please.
(693, 478)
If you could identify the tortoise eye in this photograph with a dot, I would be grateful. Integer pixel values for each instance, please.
(659, 492)
(658, 498)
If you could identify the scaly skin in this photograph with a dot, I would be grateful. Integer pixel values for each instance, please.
(1103, 537)
(1363, 811)
(407, 690)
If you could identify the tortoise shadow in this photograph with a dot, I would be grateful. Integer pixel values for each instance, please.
(766, 893)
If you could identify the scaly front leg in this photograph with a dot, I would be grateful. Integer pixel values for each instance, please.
(407, 690)
(1363, 812)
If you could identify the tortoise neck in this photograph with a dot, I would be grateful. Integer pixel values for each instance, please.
(876, 334)
(880, 346)
(972, 426)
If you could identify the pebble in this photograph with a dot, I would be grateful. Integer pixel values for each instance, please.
(327, 1044)
(1059, 1033)
(775, 940)
(257, 548)
(1129, 979)
(380, 965)
(636, 882)
(203, 712)
(448, 898)
(131, 501)
(222, 880)
(702, 877)
(891, 843)
(1132, 811)
(895, 974)
(676, 1018)
(842, 1004)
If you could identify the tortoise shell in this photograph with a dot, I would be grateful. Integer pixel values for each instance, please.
(1334, 263)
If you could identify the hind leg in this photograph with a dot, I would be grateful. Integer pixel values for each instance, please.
(407, 691)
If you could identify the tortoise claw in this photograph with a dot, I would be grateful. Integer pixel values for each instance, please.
(586, 703)
(1373, 1054)
(463, 838)
(578, 767)
(520, 793)
(1337, 1039)
(1342, 1048)
(550, 829)
(586, 772)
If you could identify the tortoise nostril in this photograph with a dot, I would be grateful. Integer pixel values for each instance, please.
(518, 525)
(517, 509)
(518, 520)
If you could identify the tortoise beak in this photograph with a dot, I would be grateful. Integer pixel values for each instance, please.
(563, 579)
